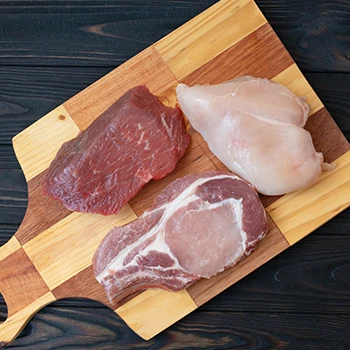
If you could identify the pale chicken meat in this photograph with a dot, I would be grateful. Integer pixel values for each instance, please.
(255, 127)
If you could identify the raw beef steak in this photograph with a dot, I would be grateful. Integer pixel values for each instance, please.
(137, 139)
(198, 226)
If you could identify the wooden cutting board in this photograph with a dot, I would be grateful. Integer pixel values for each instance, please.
(49, 257)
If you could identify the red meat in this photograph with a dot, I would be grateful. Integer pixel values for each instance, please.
(137, 139)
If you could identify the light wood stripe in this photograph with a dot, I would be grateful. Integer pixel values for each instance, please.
(15, 323)
(299, 213)
(210, 33)
(10, 247)
(154, 310)
(67, 247)
(294, 80)
(36, 146)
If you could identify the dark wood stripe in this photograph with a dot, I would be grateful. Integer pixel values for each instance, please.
(273, 244)
(260, 54)
(18, 274)
(326, 135)
(82, 285)
(42, 212)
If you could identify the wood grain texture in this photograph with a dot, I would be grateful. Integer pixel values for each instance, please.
(315, 282)
(25, 279)
(138, 312)
(314, 32)
(87, 33)
(208, 330)
(335, 95)
(91, 34)
(11, 246)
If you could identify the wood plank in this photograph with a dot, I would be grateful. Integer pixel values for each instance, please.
(310, 277)
(86, 34)
(6, 233)
(205, 36)
(201, 329)
(334, 95)
(138, 312)
(314, 33)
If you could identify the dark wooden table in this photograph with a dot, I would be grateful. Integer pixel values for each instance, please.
(50, 50)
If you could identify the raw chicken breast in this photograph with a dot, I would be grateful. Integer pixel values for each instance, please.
(255, 127)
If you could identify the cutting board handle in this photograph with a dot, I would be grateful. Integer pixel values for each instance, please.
(10, 327)
(9, 330)
(17, 273)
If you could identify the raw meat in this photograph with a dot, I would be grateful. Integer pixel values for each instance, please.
(255, 127)
(137, 139)
(198, 226)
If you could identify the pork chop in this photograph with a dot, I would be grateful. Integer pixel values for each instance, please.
(198, 226)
